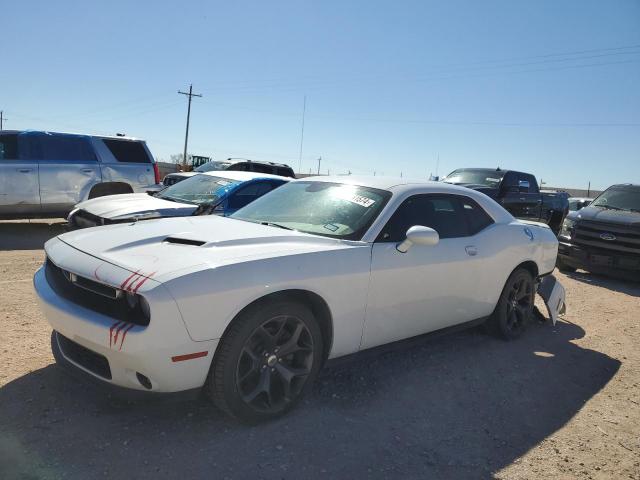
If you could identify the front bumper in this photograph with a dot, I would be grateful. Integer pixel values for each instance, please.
(119, 353)
(599, 261)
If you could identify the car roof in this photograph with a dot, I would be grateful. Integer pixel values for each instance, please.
(242, 176)
(381, 182)
(74, 134)
(259, 162)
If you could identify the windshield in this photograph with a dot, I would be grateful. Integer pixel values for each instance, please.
(197, 189)
(619, 198)
(322, 208)
(475, 176)
(211, 166)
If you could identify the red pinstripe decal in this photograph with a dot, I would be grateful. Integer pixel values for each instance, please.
(144, 279)
(111, 332)
(118, 330)
(123, 284)
(124, 334)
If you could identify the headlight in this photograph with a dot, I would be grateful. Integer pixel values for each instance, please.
(144, 307)
(567, 228)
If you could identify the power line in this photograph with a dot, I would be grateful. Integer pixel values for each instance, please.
(186, 133)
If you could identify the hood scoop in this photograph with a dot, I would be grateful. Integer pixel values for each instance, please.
(184, 241)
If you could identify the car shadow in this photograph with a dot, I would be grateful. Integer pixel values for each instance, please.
(460, 406)
(29, 234)
(627, 287)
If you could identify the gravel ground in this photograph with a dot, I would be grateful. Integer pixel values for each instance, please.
(561, 402)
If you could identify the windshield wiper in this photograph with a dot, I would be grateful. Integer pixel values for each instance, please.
(609, 207)
(272, 224)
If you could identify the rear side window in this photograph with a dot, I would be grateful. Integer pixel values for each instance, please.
(284, 172)
(9, 146)
(127, 150)
(261, 168)
(477, 218)
(60, 147)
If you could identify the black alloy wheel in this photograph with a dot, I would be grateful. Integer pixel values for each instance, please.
(515, 306)
(266, 361)
(275, 363)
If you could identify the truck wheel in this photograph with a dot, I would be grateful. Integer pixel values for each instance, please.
(266, 361)
(515, 305)
(563, 267)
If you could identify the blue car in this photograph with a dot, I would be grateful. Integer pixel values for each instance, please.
(217, 192)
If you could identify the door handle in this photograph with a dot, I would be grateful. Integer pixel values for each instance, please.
(25, 170)
(471, 250)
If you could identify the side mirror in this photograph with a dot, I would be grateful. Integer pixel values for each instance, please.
(523, 186)
(420, 236)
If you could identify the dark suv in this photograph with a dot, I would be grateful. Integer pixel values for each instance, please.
(271, 168)
(604, 237)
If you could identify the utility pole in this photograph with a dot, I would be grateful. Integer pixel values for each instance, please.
(186, 134)
(304, 109)
(588, 188)
(2, 119)
(319, 161)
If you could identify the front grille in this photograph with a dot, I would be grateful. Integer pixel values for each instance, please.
(623, 239)
(92, 295)
(92, 361)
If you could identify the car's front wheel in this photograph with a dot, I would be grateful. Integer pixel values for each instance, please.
(266, 361)
(514, 308)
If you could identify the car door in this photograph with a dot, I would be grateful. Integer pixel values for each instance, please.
(67, 169)
(428, 287)
(19, 192)
(127, 161)
(246, 194)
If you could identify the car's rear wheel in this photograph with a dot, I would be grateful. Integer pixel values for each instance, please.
(266, 361)
(514, 308)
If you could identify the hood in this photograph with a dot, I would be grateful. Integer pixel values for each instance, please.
(598, 214)
(160, 248)
(116, 207)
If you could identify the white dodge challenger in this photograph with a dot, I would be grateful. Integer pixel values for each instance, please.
(251, 306)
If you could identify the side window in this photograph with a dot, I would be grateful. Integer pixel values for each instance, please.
(533, 184)
(127, 150)
(9, 146)
(443, 213)
(510, 181)
(262, 168)
(284, 172)
(239, 167)
(477, 218)
(246, 195)
(60, 147)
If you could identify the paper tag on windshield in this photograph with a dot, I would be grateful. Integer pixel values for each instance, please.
(349, 196)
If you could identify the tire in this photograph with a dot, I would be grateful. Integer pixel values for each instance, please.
(515, 306)
(250, 377)
(563, 267)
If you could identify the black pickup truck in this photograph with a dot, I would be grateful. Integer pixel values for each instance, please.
(604, 237)
(517, 192)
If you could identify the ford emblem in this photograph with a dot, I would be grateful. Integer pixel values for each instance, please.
(607, 236)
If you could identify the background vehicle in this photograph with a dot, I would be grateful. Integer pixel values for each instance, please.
(517, 192)
(577, 203)
(221, 193)
(604, 237)
(251, 306)
(242, 166)
(44, 174)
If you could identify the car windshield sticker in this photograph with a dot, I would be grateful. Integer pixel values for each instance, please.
(223, 182)
(331, 226)
(489, 179)
(349, 195)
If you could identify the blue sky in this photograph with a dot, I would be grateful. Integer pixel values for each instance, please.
(550, 87)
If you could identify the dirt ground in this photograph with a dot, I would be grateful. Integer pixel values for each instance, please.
(561, 402)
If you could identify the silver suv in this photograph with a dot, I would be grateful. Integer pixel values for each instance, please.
(44, 174)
